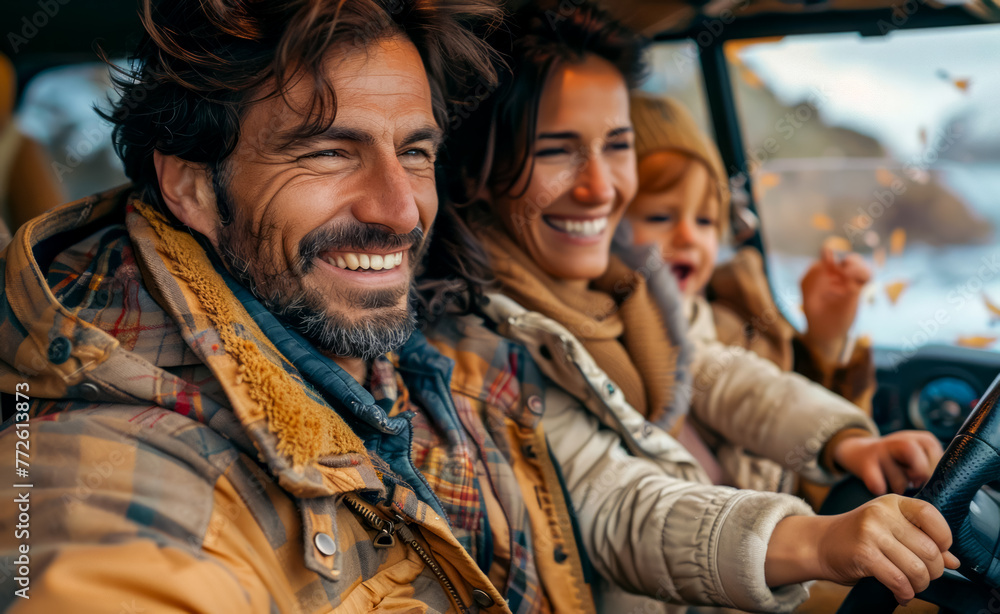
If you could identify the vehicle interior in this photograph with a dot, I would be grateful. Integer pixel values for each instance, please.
(862, 125)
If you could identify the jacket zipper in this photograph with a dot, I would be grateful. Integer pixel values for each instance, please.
(386, 539)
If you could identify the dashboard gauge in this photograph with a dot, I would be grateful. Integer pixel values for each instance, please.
(942, 406)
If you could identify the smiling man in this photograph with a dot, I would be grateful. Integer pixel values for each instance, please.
(327, 226)
(209, 364)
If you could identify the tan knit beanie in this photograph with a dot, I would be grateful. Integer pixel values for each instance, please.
(663, 124)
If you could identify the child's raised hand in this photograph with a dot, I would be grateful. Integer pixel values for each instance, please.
(897, 460)
(830, 294)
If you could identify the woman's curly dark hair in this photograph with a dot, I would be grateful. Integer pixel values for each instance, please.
(490, 150)
(201, 63)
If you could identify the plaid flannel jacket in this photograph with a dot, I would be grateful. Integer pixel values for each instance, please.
(497, 447)
(180, 460)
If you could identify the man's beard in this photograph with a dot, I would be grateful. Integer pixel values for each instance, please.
(252, 259)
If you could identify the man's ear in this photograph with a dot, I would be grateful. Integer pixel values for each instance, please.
(187, 191)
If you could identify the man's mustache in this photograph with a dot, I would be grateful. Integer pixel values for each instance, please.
(357, 237)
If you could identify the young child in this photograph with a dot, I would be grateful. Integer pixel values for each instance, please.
(682, 206)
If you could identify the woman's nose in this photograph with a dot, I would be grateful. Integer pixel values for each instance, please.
(593, 184)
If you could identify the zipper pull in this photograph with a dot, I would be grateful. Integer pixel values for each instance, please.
(385, 537)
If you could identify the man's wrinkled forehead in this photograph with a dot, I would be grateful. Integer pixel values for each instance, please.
(354, 90)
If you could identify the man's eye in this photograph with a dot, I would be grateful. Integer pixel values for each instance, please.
(418, 153)
(326, 153)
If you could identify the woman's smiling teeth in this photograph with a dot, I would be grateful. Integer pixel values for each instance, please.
(366, 262)
(580, 229)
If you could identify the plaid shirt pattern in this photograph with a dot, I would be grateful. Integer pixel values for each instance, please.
(497, 444)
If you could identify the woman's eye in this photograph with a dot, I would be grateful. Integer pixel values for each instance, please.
(706, 221)
(620, 146)
(551, 151)
(658, 219)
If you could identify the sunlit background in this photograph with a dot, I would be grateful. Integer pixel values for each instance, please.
(888, 146)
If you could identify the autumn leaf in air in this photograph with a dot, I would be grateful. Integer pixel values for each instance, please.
(961, 84)
(884, 176)
(821, 221)
(975, 341)
(769, 180)
(897, 241)
(895, 289)
(992, 307)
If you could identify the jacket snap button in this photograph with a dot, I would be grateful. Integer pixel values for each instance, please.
(535, 405)
(482, 598)
(59, 350)
(325, 544)
(89, 391)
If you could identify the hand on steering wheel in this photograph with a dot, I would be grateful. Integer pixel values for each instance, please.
(971, 461)
(900, 459)
(901, 542)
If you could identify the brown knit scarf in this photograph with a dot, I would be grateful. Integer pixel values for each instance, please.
(616, 319)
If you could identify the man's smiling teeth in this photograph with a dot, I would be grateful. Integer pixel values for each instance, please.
(367, 262)
(580, 228)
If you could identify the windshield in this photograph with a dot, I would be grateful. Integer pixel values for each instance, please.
(889, 146)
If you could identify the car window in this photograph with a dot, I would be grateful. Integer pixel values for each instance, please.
(57, 110)
(675, 71)
(889, 146)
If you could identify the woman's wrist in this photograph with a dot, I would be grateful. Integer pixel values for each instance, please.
(793, 551)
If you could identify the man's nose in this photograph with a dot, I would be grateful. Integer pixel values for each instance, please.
(593, 182)
(390, 200)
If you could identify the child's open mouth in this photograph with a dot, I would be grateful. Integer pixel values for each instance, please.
(683, 272)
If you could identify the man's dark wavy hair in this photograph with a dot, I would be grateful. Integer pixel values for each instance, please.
(492, 148)
(201, 63)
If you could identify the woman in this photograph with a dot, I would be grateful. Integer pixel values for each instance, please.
(538, 434)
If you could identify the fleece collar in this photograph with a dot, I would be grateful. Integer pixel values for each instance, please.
(307, 445)
(295, 431)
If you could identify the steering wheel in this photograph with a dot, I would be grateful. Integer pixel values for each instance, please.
(956, 489)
